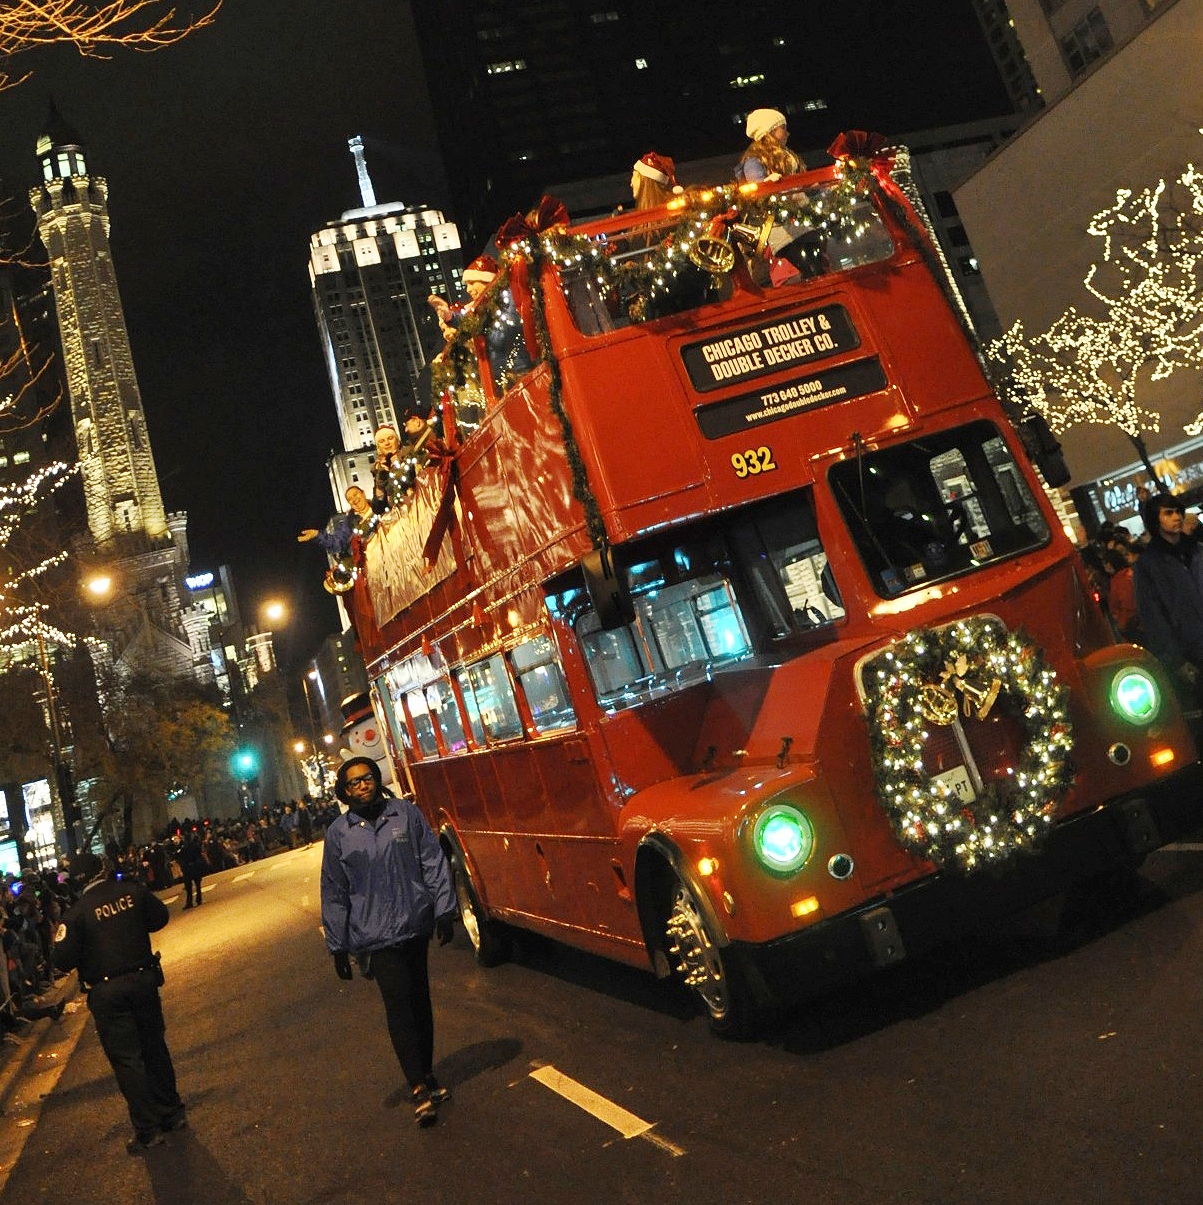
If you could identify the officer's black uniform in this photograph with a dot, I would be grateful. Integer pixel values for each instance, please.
(192, 863)
(107, 936)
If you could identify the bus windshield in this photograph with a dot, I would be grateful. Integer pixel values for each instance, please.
(641, 274)
(936, 507)
(705, 596)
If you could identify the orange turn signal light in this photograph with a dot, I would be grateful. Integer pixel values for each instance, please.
(801, 908)
(1162, 757)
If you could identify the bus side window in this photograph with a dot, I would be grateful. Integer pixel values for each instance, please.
(470, 706)
(445, 710)
(613, 660)
(419, 714)
(542, 680)
(495, 699)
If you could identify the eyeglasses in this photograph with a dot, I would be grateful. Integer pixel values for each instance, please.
(357, 782)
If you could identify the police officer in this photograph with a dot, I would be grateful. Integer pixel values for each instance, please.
(106, 934)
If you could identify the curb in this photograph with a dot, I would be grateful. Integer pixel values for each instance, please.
(31, 1043)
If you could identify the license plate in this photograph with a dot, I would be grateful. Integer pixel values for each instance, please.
(958, 779)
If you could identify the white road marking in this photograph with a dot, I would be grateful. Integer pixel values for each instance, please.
(250, 874)
(1183, 847)
(171, 899)
(596, 1105)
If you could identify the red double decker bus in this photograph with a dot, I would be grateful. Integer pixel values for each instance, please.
(737, 638)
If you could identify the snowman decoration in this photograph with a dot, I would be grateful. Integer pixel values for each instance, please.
(363, 736)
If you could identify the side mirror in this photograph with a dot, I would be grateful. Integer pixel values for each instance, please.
(1044, 450)
(607, 594)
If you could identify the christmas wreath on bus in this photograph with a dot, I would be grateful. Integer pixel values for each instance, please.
(953, 677)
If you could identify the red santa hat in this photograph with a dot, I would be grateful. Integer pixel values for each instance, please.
(657, 167)
(482, 270)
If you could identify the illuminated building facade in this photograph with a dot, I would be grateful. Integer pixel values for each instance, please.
(371, 272)
(143, 547)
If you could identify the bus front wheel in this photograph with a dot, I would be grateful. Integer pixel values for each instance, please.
(490, 942)
(714, 977)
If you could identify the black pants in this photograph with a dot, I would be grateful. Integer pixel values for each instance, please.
(404, 981)
(192, 876)
(129, 1022)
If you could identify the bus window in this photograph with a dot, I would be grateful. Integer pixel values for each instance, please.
(681, 631)
(693, 621)
(700, 593)
(938, 506)
(419, 714)
(474, 720)
(441, 700)
(613, 658)
(778, 546)
(543, 685)
(494, 695)
(613, 290)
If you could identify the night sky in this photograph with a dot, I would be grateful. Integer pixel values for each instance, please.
(224, 153)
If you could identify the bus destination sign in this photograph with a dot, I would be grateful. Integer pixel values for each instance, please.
(790, 397)
(770, 346)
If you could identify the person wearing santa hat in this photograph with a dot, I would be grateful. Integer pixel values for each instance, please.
(767, 157)
(504, 343)
(478, 275)
(653, 181)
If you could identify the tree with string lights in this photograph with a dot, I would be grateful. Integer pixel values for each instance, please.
(37, 631)
(1145, 321)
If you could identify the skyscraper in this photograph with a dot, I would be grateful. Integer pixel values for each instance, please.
(371, 272)
(145, 548)
(528, 93)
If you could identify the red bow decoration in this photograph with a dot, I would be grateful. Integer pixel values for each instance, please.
(443, 454)
(548, 214)
(857, 144)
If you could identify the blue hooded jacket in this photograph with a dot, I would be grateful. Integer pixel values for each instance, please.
(383, 882)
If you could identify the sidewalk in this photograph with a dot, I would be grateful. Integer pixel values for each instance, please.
(16, 1055)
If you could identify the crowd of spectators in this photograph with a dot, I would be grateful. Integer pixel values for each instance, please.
(255, 834)
(1109, 560)
(32, 905)
(30, 910)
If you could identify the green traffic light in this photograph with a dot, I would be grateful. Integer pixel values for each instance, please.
(244, 763)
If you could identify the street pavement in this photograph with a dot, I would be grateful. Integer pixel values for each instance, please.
(1041, 1063)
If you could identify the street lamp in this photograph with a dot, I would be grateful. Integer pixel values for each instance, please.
(275, 610)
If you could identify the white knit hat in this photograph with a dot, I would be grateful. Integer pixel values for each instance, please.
(764, 121)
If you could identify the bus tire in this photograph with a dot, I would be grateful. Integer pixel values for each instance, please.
(490, 941)
(713, 974)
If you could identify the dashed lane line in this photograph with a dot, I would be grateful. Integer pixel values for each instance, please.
(606, 1111)
(238, 878)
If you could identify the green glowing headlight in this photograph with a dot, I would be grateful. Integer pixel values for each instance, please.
(1135, 696)
(783, 838)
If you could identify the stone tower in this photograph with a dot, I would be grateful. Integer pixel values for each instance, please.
(145, 622)
(120, 484)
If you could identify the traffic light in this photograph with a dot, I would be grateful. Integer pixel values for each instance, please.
(244, 765)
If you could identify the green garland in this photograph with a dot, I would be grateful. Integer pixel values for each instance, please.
(457, 369)
(830, 211)
(912, 687)
(581, 490)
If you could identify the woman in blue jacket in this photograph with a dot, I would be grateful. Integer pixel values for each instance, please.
(386, 889)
